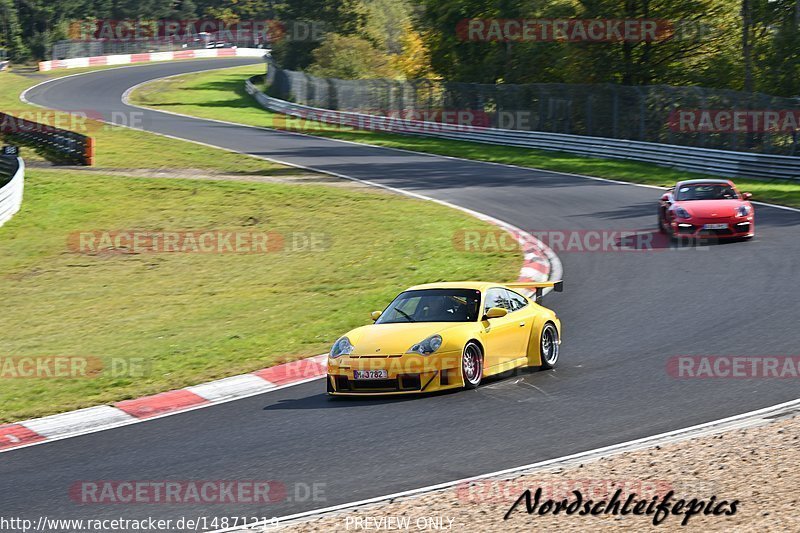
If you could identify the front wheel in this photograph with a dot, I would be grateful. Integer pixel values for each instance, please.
(472, 365)
(549, 346)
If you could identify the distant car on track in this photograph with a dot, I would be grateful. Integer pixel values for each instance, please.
(446, 336)
(706, 208)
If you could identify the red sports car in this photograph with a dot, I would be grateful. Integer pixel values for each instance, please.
(706, 208)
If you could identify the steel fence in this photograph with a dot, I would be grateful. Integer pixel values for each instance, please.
(644, 113)
(64, 145)
(709, 161)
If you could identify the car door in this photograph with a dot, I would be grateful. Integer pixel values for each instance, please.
(501, 335)
(523, 315)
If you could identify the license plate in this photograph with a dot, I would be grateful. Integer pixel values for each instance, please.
(370, 374)
(715, 226)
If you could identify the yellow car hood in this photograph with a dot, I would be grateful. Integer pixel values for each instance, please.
(393, 339)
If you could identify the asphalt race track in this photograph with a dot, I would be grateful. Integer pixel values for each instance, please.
(624, 314)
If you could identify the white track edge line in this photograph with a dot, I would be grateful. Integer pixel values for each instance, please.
(126, 101)
(555, 263)
(643, 442)
(128, 92)
(741, 421)
(23, 95)
(450, 484)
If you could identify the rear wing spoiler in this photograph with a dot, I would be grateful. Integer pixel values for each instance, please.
(538, 287)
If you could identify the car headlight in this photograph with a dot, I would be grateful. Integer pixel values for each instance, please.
(743, 210)
(341, 347)
(428, 346)
(682, 213)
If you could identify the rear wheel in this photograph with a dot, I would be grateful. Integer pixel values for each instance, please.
(549, 346)
(472, 365)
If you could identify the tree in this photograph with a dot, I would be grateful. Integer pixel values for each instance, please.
(10, 32)
(349, 57)
(187, 10)
(777, 49)
(344, 17)
(413, 60)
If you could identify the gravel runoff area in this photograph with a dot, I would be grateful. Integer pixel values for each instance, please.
(758, 468)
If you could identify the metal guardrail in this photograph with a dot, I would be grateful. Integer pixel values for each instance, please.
(12, 177)
(64, 144)
(704, 160)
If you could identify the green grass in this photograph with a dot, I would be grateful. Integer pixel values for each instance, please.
(220, 95)
(197, 317)
(119, 147)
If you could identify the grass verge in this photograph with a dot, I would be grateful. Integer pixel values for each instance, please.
(186, 318)
(221, 95)
(194, 317)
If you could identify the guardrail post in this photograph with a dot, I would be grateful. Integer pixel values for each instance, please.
(88, 152)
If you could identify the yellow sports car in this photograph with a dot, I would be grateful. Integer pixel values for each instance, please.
(445, 336)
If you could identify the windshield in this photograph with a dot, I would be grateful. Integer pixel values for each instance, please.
(706, 191)
(433, 305)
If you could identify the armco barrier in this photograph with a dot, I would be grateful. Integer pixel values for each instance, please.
(12, 176)
(125, 59)
(716, 162)
(66, 145)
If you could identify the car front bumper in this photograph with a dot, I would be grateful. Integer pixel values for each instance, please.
(405, 374)
(695, 228)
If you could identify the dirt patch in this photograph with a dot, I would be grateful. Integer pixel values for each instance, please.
(288, 176)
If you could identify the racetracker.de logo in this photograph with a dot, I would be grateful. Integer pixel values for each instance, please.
(565, 30)
(202, 242)
(256, 31)
(72, 367)
(506, 491)
(85, 121)
(569, 241)
(735, 121)
(734, 366)
(178, 492)
(405, 121)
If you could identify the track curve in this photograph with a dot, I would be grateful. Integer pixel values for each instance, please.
(624, 315)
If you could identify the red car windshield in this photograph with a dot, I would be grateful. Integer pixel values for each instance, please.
(706, 191)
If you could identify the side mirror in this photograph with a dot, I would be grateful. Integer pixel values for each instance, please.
(747, 195)
(665, 197)
(375, 315)
(495, 312)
